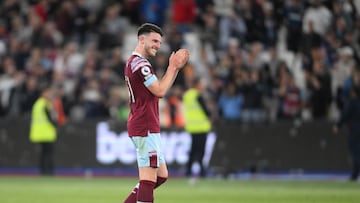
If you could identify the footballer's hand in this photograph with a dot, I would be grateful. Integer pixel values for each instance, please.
(179, 58)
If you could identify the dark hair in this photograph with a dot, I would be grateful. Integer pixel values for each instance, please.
(149, 27)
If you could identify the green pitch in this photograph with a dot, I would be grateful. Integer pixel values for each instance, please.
(176, 190)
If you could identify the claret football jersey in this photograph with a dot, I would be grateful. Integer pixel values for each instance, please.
(144, 106)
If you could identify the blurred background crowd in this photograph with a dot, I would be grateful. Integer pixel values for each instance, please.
(263, 60)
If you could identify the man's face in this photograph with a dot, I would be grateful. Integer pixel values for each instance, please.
(152, 43)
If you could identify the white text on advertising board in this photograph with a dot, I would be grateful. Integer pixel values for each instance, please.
(112, 147)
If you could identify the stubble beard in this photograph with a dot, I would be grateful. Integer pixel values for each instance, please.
(149, 51)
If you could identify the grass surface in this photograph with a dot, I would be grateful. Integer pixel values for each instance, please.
(177, 190)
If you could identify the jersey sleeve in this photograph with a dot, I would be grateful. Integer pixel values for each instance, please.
(143, 69)
(148, 75)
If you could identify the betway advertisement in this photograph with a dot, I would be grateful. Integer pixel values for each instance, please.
(112, 147)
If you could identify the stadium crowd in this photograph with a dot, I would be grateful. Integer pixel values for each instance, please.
(263, 60)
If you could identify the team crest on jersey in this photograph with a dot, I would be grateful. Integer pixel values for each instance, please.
(145, 70)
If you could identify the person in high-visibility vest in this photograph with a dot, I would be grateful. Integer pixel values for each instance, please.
(43, 130)
(197, 123)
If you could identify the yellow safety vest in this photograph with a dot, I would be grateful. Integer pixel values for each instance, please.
(41, 129)
(196, 120)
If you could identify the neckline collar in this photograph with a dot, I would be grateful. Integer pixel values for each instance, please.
(137, 54)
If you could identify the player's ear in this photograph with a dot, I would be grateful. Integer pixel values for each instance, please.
(141, 38)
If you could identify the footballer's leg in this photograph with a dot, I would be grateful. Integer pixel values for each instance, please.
(147, 176)
(146, 173)
(150, 162)
(133, 195)
(143, 191)
(155, 175)
(162, 175)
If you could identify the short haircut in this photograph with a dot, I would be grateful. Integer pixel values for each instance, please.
(147, 28)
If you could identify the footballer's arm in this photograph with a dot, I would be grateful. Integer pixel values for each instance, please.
(176, 62)
(160, 88)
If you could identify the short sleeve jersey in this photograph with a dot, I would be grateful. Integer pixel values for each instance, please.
(144, 106)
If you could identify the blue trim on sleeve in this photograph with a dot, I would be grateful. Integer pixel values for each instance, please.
(150, 81)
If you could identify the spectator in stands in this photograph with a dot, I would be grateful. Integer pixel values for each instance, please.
(294, 10)
(183, 14)
(310, 40)
(342, 11)
(209, 24)
(154, 11)
(290, 104)
(231, 25)
(340, 28)
(112, 28)
(116, 62)
(319, 15)
(18, 25)
(223, 69)
(341, 71)
(50, 37)
(253, 58)
(69, 61)
(224, 7)
(331, 45)
(281, 73)
(10, 81)
(33, 30)
(131, 11)
(29, 93)
(107, 79)
(254, 18)
(38, 65)
(202, 5)
(8, 11)
(160, 62)
(41, 9)
(175, 38)
(19, 51)
(68, 66)
(230, 104)
(64, 19)
(253, 109)
(93, 100)
(271, 25)
(267, 80)
(319, 89)
(83, 21)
